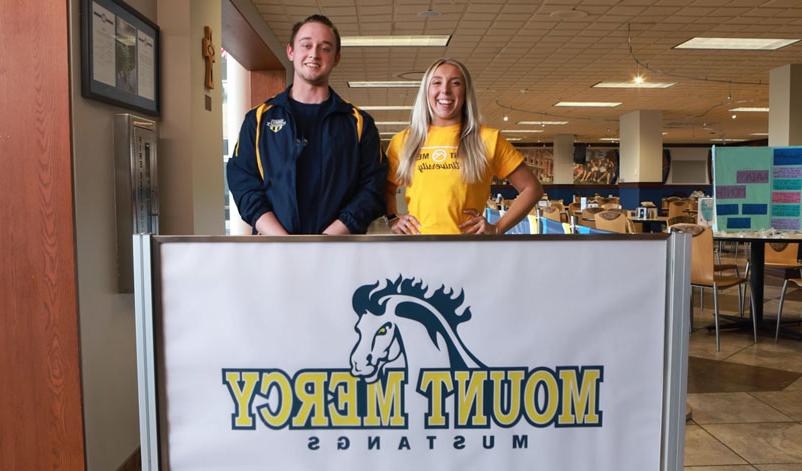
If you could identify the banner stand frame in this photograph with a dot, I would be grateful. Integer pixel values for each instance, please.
(675, 355)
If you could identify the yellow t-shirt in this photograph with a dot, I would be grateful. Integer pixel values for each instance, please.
(437, 195)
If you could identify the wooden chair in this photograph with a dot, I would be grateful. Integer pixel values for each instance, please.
(587, 217)
(783, 255)
(611, 205)
(551, 212)
(704, 275)
(665, 201)
(574, 209)
(680, 220)
(678, 208)
(612, 221)
(798, 283)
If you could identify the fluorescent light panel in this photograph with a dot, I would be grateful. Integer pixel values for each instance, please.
(514, 138)
(610, 139)
(758, 44)
(748, 109)
(385, 84)
(389, 133)
(589, 104)
(423, 40)
(727, 140)
(392, 123)
(634, 84)
(385, 107)
(522, 130)
(542, 123)
(763, 134)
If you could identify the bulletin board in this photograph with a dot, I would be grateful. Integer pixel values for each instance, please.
(757, 188)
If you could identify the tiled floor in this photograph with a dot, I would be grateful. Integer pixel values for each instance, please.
(747, 398)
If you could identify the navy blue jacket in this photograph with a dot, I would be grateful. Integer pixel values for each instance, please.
(262, 177)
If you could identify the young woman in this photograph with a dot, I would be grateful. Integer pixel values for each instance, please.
(446, 160)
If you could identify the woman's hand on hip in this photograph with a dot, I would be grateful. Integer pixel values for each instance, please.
(477, 224)
(405, 224)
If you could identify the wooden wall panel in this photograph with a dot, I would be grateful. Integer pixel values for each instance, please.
(41, 424)
(265, 84)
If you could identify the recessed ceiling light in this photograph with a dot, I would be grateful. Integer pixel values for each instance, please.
(385, 84)
(747, 109)
(589, 104)
(761, 44)
(634, 84)
(423, 40)
(542, 123)
(385, 107)
(392, 123)
(522, 130)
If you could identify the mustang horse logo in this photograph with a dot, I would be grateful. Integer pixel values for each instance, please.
(386, 313)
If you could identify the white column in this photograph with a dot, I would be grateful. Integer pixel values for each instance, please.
(641, 134)
(564, 158)
(785, 105)
(238, 102)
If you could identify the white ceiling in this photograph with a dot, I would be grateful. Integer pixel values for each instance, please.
(526, 55)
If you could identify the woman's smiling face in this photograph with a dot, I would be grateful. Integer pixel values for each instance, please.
(446, 95)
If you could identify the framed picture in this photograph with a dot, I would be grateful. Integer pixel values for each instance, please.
(119, 56)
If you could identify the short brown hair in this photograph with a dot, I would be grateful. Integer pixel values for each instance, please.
(316, 19)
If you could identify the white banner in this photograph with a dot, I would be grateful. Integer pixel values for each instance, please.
(507, 355)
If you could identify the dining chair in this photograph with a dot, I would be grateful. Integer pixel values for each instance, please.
(613, 221)
(798, 283)
(678, 208)
(551, 212)
(574, 209)
(704, 275)
(587, 217)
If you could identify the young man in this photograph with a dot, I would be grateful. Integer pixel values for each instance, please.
(308, 162)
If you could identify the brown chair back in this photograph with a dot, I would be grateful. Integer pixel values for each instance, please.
(702, 261)
(781, 253)
(612, 221)
(678, 208)
(551, 212)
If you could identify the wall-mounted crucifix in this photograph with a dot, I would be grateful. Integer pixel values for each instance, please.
(208, 56)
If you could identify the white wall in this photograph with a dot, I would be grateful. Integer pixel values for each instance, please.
(108, 355)
(190, 137)
(690, 164)
(191, 185)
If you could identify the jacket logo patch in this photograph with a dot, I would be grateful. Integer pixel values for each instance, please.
(276, 125)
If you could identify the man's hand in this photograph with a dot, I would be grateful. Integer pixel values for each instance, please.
(336, 228)
(268, 224)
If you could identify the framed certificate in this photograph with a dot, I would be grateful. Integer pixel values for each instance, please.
(119, 56)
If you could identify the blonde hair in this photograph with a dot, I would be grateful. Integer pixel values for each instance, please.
(470, 151)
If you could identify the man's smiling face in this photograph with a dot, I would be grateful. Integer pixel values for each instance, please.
(314, 53)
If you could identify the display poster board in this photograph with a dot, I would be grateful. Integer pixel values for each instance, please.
(757, 188)
(706, 215)
(119, 56)
(320, 353)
